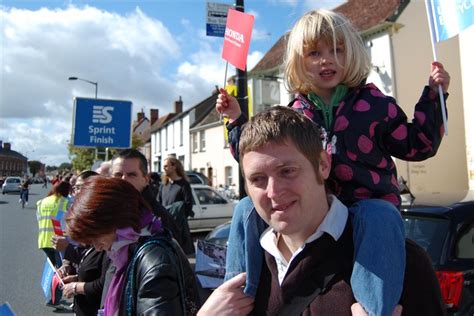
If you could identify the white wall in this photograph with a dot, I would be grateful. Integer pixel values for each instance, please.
(443, 178)
(216, 156)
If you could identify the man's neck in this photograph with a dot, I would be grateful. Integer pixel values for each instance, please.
(289, 244)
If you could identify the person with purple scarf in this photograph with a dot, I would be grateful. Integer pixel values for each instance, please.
(152, 274)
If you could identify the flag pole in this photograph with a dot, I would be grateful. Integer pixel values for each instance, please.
(225, 82)
(430, 13)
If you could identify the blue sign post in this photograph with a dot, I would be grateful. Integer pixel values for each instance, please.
(216, 18)
(102, 123)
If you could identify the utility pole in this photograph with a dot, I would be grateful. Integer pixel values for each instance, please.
(242, 97)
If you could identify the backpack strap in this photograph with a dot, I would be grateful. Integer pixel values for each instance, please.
(167, 244)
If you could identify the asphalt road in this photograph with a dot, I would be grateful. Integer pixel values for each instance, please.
(21, 262)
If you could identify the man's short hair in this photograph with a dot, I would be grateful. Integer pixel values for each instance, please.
(135, 154)
(280, 124)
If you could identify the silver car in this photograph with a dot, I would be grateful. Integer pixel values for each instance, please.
(11, 184)
(210, 208)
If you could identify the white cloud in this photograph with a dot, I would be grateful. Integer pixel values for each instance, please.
(128, 55)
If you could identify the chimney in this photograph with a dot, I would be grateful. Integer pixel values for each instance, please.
(153, 116)
(140, 116)
(178, 106)
(7, 146)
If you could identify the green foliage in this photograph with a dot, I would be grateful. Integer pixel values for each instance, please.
(81, 158)
(35, 166)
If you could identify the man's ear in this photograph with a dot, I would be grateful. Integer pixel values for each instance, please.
(324, 165)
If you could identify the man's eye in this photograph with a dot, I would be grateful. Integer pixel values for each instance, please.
(257, 181)
(288, 172)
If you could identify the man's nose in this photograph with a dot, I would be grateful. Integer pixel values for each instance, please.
(274, 188)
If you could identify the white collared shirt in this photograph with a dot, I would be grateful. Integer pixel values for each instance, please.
(333, 223)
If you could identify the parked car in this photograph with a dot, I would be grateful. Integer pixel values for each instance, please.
(194, 177)
(447, 234)
(210, 208)
(11, 184)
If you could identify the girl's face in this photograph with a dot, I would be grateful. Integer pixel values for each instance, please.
(323, 69)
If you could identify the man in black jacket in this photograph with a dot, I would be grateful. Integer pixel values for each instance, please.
(131, 166)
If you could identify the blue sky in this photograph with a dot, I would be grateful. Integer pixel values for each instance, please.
(148, 52)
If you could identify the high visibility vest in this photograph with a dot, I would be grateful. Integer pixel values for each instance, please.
(46, 208)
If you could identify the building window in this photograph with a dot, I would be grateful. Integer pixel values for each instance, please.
(194, 142)
(202, 140)
(228, 176)
(166, 137)
(181, 133)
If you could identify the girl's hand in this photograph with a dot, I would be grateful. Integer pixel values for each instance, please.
(227, 105)
(438, 76)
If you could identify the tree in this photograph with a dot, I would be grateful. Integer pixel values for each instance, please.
(35, 166)
(81, 158)
(65, 166)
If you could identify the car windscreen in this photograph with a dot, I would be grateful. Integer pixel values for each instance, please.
(430, 233)
(13, 180)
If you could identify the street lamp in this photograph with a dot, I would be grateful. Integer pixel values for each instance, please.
(96, 84)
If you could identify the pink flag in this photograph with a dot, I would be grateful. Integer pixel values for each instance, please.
(237, 38)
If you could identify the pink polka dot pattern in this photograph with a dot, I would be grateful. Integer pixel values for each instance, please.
(421, 117)
(344, 172)
(392, 110)
(341, 124)
(365, 144)
(340, 107)
(372, 127)
(400, 132)
(376, 93)
(352, 156)
(425, 140)
(375, 177)
(412, 153)
(392, 198)
(383, 163)
(362, 193)
(361, 106)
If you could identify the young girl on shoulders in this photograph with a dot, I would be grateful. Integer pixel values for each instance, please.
(326, 67)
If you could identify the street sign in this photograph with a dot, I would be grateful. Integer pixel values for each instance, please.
(216, 18)
(102, 123)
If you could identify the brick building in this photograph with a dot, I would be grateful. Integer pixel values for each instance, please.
(12, 163)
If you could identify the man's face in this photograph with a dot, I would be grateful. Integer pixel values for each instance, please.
(129, 170)
(283, 186)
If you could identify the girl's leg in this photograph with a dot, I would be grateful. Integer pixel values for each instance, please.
(244, 253)
(379, 255)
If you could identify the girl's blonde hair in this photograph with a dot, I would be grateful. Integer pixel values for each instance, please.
(333, 29)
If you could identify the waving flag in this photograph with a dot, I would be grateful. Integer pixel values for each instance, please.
(450, 17)
(238, 32)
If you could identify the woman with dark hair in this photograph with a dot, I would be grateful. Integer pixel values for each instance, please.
(55, 205)
(176, 195)
(152, 275)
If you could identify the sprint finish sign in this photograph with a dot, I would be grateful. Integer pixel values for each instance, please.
(102, 123)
